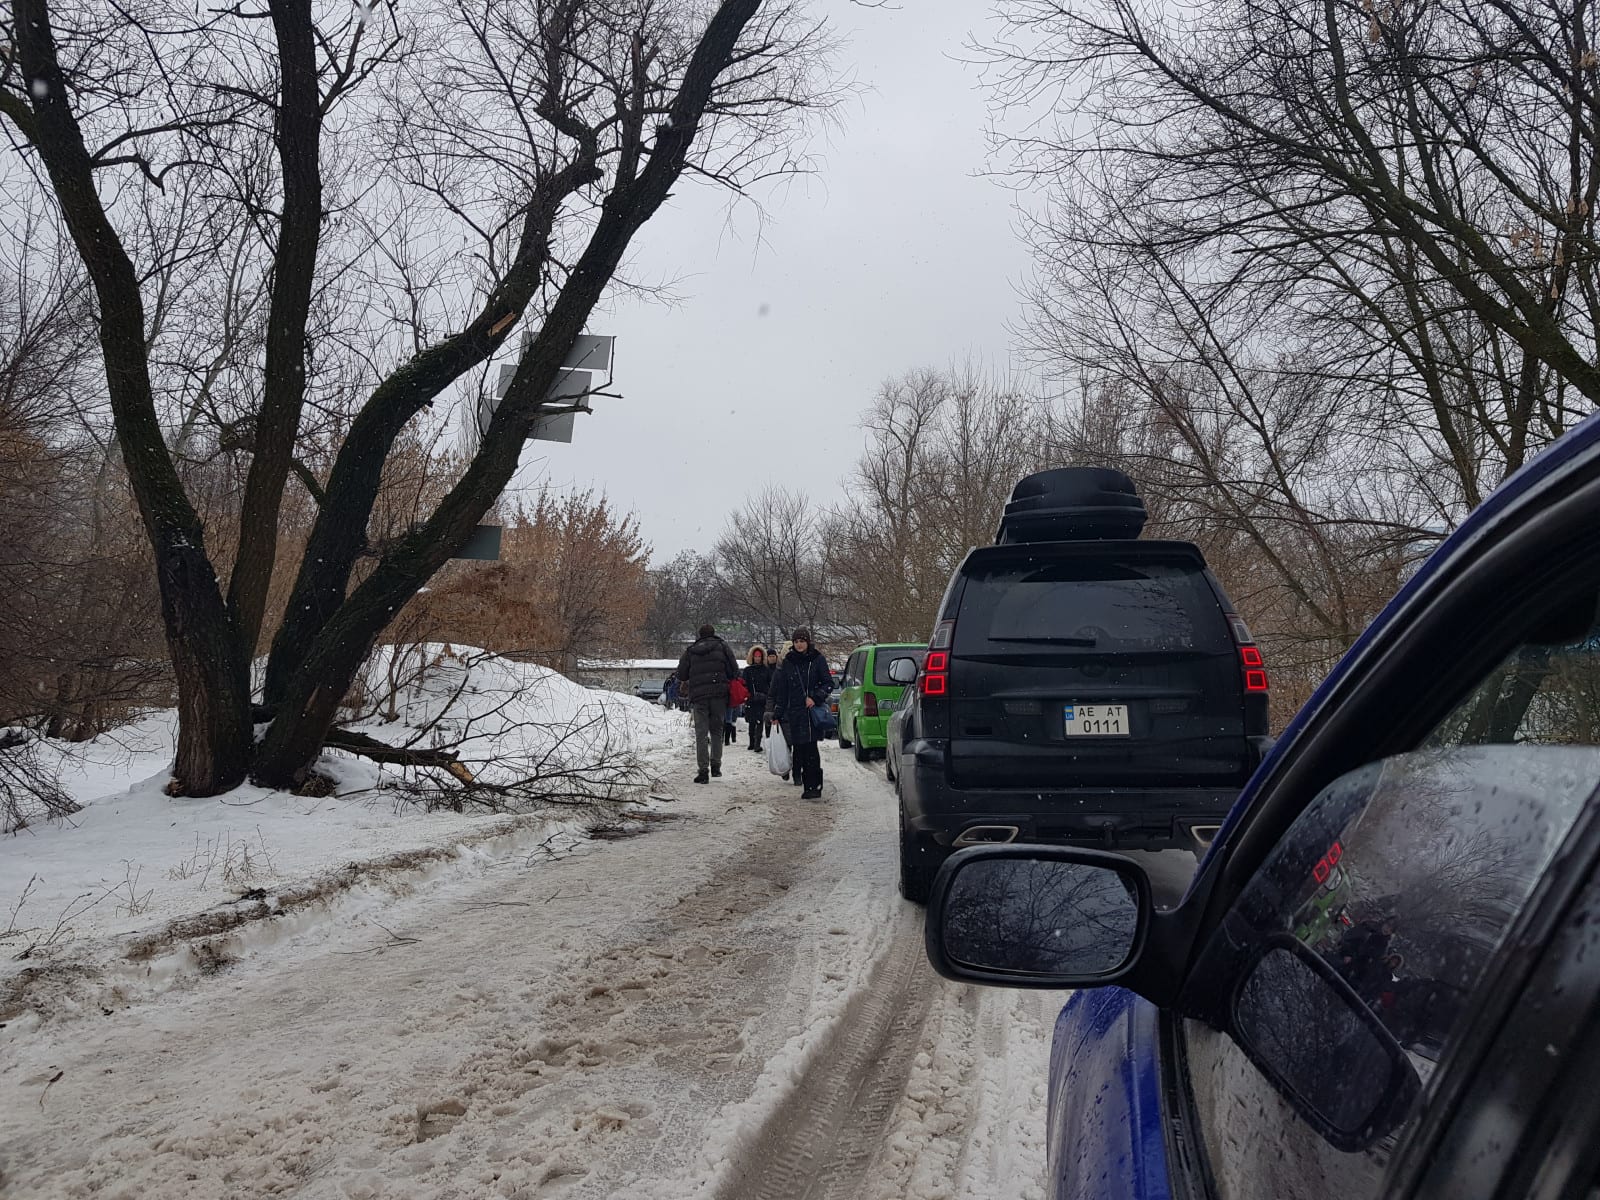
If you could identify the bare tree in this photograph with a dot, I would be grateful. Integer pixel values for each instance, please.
(944, 449)
(684, 592)
(769, 563)
(79, 638)
(540, 138)
(1319, 274)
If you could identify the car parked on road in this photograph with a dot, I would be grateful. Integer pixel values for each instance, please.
(650, 689)
(1384, 979)
(868, 695)
(894, 728)
(1081, 685)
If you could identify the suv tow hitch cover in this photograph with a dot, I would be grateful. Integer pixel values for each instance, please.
(1069, 504)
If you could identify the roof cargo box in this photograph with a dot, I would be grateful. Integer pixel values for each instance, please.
(1072, 504)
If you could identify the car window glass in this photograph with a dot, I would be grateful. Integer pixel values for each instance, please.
(880, 666)
(854, 667)
(1092, 604)
(1404, 876)
(1540, 694)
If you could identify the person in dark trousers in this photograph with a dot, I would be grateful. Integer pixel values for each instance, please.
(703, 674)
(757, 677)
(803, 682)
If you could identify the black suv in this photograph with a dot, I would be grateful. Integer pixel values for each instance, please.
(1080, 686)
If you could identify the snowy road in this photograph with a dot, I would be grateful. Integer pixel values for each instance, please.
(733, 1005)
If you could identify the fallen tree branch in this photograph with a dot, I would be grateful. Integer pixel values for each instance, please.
(406, 756)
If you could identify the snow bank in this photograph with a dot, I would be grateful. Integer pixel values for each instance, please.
(134, 859)
(510, 718)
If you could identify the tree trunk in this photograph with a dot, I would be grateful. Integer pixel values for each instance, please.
(214, 729)
(293, 278)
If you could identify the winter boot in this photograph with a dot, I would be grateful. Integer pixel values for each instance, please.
(811, 794)
(716, 772)
(702, 777)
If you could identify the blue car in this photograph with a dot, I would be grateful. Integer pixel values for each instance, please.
(1384, 979)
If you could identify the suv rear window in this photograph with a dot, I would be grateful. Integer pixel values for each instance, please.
(1091, 604)
(887, 654)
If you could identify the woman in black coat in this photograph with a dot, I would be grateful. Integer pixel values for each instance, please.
(757, 677)
(803, 682)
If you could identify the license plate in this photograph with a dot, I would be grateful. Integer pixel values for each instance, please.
(1097, 720)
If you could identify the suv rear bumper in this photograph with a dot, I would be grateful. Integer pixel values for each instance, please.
(1133, 818)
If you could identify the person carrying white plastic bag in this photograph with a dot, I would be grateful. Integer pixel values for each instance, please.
(777, 752)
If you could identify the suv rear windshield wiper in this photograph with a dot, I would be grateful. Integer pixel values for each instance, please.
(1053, 641)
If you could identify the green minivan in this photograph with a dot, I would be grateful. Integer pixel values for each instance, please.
(868, 696)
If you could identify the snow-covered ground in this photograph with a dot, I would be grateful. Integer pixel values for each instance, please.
(133, 859)
(732, 1004)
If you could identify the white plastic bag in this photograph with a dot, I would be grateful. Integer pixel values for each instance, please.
(777, 752)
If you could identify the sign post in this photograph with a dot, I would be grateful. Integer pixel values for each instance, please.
(556, 418)
(591, 355)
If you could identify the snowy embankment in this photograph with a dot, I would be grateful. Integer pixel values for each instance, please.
(110, 886)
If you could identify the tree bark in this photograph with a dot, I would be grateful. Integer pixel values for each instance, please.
(214, 731)
(294, 268)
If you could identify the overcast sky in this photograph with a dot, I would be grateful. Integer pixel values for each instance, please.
(894, 256)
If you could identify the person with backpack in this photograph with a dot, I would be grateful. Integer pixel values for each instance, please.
(704, 672)
(802, 686)
(757, 677)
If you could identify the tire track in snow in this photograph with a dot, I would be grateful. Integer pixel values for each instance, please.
(819, 1144)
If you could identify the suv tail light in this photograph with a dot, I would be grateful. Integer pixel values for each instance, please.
(935, 677)
(1255, 673)
(1251, 664)
(869, 704)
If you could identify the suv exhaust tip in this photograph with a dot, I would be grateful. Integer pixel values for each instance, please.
(986, 835)
(1203, 835)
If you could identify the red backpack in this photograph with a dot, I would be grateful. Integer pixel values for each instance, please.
(737, 692)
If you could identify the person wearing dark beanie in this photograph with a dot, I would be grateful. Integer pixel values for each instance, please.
(803, 682)
(704, 671)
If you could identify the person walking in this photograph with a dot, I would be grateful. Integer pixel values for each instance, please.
(703, 674)
(803, 682)
(757, 677)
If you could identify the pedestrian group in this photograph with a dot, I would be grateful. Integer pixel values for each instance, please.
(787, 703)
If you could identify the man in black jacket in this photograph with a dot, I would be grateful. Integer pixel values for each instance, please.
(757, 677)
(802, 683)
(703, 673)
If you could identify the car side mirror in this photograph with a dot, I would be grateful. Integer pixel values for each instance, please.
(1037, 916)
(1292, 1015)
(903, 670)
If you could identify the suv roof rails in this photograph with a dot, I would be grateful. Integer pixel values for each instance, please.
(1068, 504)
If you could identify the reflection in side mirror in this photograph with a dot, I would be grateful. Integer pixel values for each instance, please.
(1046, 916)
(1294, 1017)
(903, 670)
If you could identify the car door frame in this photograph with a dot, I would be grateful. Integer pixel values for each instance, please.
(1461, 599)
